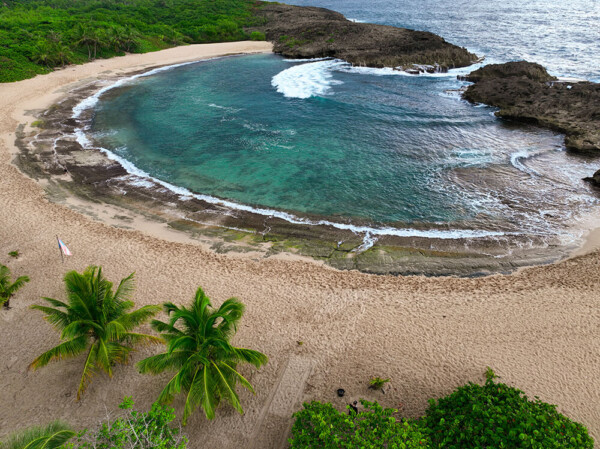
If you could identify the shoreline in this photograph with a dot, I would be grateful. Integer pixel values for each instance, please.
(428, 334)
(227, 226)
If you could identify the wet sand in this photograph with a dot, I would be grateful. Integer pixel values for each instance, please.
(538, 328)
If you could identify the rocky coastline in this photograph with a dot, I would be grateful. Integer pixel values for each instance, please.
(524, 91)
(309, 32)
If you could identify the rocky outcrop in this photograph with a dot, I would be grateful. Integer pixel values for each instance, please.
(307, 32)
(520, 69)
(594, 180)
(525, 92)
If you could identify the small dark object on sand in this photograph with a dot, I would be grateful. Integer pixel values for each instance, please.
(341, 392)
(353, 408)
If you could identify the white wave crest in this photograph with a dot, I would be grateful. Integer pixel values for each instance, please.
(307, 80)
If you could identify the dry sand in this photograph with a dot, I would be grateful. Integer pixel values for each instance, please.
(538, 328)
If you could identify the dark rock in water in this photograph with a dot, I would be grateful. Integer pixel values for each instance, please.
(525, 69)
(594, 180)
(525, 92)
(308, 32)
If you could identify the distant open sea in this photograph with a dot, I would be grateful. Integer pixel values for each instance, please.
(375, 149)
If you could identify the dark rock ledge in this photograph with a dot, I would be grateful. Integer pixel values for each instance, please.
(308, 32)
(525, 92)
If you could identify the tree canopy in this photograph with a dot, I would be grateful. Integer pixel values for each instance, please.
(37, 35)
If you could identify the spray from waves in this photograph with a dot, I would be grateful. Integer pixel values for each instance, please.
(516, 160)
(307, 80)
(314, 77)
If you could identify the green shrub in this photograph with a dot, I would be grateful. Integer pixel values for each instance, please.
(258, 36)
(135, 430)
(322, 426)
(498, 416)
(377, 383)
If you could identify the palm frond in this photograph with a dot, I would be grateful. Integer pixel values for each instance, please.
(54, 435)
(15, 286)
(103, 358)
(172, 388)
(184, 342)
(239, 377)
(138, 317)
(80, 327)
(133, 338)
(227, 388)
(165, 328)
(53, 441)
(251, 356)
(125, 289)
(88, 370)
(64, 350)
(159, 363)
(57, 318)
(56, 303)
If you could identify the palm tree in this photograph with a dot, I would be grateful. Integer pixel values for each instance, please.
(97, 320)
(8, 289)
(88, 37)
(199, 351)
(52, 436)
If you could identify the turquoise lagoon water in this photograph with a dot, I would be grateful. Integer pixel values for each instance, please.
(365, 146)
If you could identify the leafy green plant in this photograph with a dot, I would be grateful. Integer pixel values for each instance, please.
(9, 288)
(200, 352)
(135, 430)
(39, 35)
(258, 36)
(95, 319)
(377, 383)
(52, 436)
(498, 416)
(320, 425)
(14, 254)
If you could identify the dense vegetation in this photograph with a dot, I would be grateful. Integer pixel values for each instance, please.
(131, 429)
(134, 430)
(492, 416)
(38, 35)
(322, 426)
(498, 416)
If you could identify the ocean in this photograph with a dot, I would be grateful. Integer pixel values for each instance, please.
(377, 150)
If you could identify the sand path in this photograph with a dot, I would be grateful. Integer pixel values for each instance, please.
(539, 328)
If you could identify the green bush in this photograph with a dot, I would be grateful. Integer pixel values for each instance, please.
(135, 430)
(258, 36)
(498, 416)
(322, 426)
(38, 35)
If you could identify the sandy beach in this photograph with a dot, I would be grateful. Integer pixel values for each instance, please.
(537, 328)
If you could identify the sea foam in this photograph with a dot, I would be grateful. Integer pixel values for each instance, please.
(307, 80)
